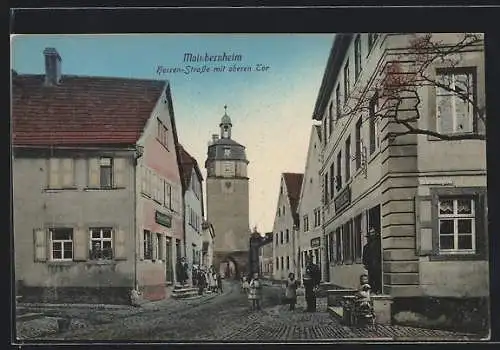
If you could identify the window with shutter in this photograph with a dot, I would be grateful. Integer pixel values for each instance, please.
(40, 240)
(61, 243)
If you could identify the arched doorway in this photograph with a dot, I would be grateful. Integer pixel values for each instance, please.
(229, 268)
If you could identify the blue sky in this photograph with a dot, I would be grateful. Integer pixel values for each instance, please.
(271, 111)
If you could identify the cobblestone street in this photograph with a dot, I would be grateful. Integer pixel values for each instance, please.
(220, 318)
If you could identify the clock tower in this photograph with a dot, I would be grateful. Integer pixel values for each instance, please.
(227, 200)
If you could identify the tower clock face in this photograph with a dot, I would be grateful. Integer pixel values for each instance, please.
(228, 169)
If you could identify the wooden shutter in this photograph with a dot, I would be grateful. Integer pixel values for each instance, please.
(81, 239)
(141, 246)
(67, 170)
(119, 243)
(54, 173)
(40, 240)
(119, 172)
(94, 173)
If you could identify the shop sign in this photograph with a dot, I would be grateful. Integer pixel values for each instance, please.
(343, 199)
(315, 242)
(163, 219)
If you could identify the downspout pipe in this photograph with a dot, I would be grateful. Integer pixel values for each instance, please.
(136, 234)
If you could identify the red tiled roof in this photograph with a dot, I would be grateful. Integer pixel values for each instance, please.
(293, 183)
(187, 164)
(81, 110)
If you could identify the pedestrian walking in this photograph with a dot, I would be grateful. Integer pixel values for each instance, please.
(291, 290)
(312, 279)
(255, 292)
(212, 281)
(372, 259)
(219, 283)
(202, 282)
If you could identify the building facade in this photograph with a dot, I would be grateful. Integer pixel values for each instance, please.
(286, 222)
(424, 194)
(207, 253)
(72, 167)
(309, 208)
(266, 256)
(228, 200)
(192, 182)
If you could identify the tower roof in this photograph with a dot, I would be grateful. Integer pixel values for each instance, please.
(225, 118)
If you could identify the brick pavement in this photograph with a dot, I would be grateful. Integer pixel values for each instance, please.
(228, 318)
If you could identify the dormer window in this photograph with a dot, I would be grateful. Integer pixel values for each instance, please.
(227, 151)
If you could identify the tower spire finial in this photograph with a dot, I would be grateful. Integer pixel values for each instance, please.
(225, 109)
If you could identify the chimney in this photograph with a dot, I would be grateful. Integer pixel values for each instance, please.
(52, 66)
(215, 137)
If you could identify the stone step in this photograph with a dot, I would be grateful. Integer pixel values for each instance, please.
(184, 293)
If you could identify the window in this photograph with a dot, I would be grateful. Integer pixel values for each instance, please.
(287, 236)
(283, 210)
(227, 151)
(162, 133)
(279, 211)
(282, 265)
(277, 264)
(306, 223)
(372, 119)
(105, 172)
(317, 217)
(348, 158)
(101, 243)
(357, 238)
(457, 224)
(357, 57)
(358, 144)
(330, 117)
(338, 180)
(61, 243)
(276, 238)
(61, 173)
(455, 112)
(332, 180)
(338, 245)
(288, 263)
(372, 37)
(325, 185)
(347, 88)
(331, 246)
(159, 248)
(347, 242)
(167, 195)
(281, 237)
(148, 245)
(337, 102)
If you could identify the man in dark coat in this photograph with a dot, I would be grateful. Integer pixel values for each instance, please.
(312, 279)
(181, 271)
(372, 260)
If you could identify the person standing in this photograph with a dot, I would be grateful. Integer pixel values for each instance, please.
(255, 292)
(372, 260)
(219, 282)
(312, 279)
(291, 290)
(202, 281)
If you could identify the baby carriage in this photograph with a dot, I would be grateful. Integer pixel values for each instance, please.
(363, 307)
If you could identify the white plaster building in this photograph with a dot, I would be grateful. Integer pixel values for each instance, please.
(427, 196)
(310, 240)
(192, 182)
(286, 222)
